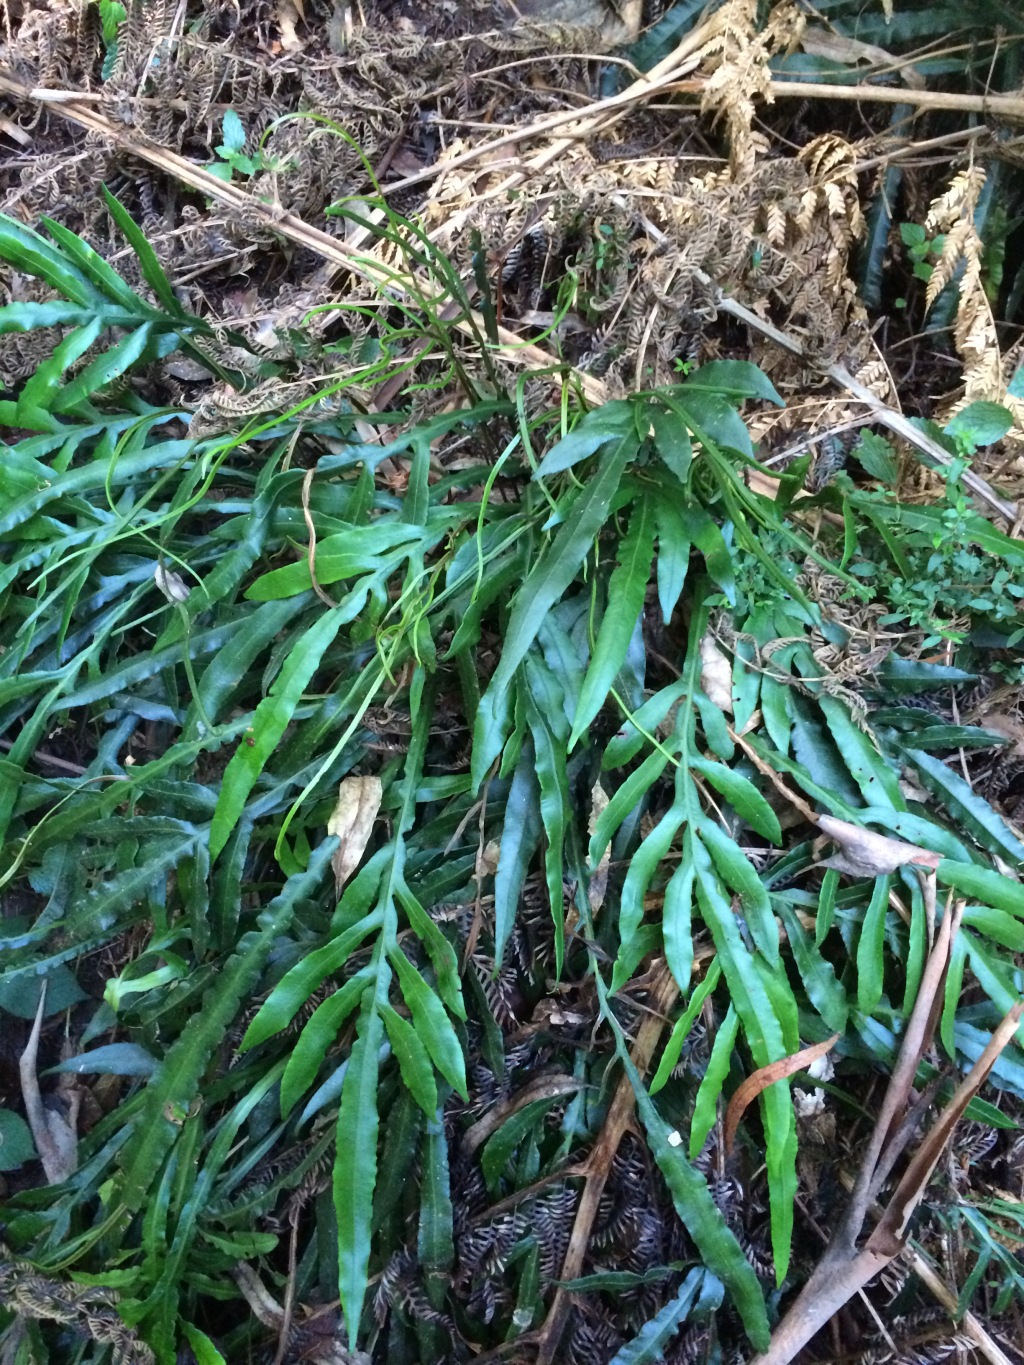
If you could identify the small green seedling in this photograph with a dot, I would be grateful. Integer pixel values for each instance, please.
(919, 247)
(231, 152)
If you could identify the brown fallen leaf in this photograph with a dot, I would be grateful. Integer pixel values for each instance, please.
(487, 859)
(766, 1076)
(352, 821)
(862, 853)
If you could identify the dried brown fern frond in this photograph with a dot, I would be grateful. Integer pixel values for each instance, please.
(737, 55)
(974, 332)
(89, 1311)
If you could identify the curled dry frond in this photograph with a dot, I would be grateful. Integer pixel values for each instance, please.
(953, 215)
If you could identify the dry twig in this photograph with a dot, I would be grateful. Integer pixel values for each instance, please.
(848, 1265)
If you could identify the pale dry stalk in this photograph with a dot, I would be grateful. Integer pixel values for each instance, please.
(849, 1265)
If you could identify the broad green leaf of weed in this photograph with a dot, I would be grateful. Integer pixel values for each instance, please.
(823, 795)
(642, 867)
(980, 423)
(917, 941)
(317, 1037)
(878, 783)
(673, 559)
(902, 677)
(779, 1121)
(400, 1147)
(677, 918)
(96, 270)
(230, 665)
(996, 925)
(952, 993)
(705, 1109)
(983, 884)
(746, 683)
(627, 588)
(706, 535)
(562, 639)
(738, 378)
(681, 1028)
(672, 440)
(612, 422)
(752, 1003)
(32, 317)
(342, 557)
(930, 520)
(432, 1024)
(742, 795)
(871, 948)
(971, 811)
(946, 737)
(995, 977)
(16, 1145)
(878, 458)
(714, 725)
(736, 870)
(631, 735)
(103, 370)
(298, 984)
(616, 1280)
(764, 1034)
(824, 991)
(42, 387)
(718, 1247)
(500, 1147)
(549, 729)
(644, 941)
(27, 251)
(413, 1059)
(708, 414)
(355, 1165)
(186, 1061)
(149, 264)
(269, 723)
(915, 829)
(624, 799)
(202, 1347)
(556, 568)
(443, 957)
(520, 835)
(435, 1242)
(115, 1059)
(650, 1342)
(529, 1307)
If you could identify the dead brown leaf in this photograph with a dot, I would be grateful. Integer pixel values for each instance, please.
(766, 1076)
(352, 821)
(862, 853)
